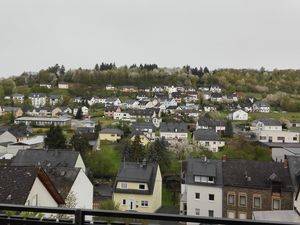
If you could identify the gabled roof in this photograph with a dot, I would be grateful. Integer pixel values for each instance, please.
(261, 104)
(17, 131)
(201, 167)
(206, 122)
(134, 172)
(206, 135)
(63, 178)
(294, 168)
(255, 174)
(268, 122)
(16, 184)
(174, 127)
(143, 126)
(45, 158)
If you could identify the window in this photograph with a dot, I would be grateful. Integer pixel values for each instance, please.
(230, 199)
(211, 213)
(197, 178)
(197, 195)
(211, 197)
(262, 138)
(197, 212)
(124, 185)
(206, 143)
(144, 203)
(276, 204)
(210, 180)
(280, 138)
(204, 179)
(142, 186)
(295, 138)
(242, 199)
(124, 202)
(256, 201)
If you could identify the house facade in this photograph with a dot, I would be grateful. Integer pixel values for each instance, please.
(171, 131)
(138, 187)
(209, 139)
(238, 115)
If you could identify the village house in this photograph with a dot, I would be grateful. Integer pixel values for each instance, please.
(146, 114)
(49, 86)
(110, 134)
(143, 138)
(266, 124)
(261, 106)
(216, 97)
(238, 115)
(208, 139)
(59, 111)
(246, 190)
(171, 131)
(206, 123)
(84, 109)
(138, 187)
(124, 116)
(18, 98)
(15, 111)
(54, 99)
(38, 112)
(214, 88)
(109, 111)
(38, 99)
(63, 85)
(191, 97)
(176, 96)
(148, 129)
(14, 134)
(128, 89)
(277, 136)
(110, 87)
(29, 186)
(112, 101)
(43, 121)
(201, 188)
(130, 104)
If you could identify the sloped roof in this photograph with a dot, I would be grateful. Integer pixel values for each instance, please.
(17, 131)
(235, 173)
(134, 172)
(174, 127)
(268, 122)
(200, 167)
(206, 135)
(294, 168)
(45, 158)
(111, 131)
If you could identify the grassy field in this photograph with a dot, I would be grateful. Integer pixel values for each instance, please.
(276, 115)
(168, 198)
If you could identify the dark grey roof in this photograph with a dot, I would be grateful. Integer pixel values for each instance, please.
(200, 167)
(173, 127)
(261, 104)
(143, 126)
(206, 135)
(143, 112)
(16, 184)
(54, 96)
(294, 168)
(216, 95)
(280, 145)
(17, 131)
(236, 171)
(268, 122)
(45, 158)
(37, 95)
(134, 172)
(207, 122)
(111, 131)
(10, 109)
(63, 178)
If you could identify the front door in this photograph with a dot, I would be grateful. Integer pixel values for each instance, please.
(130, 204)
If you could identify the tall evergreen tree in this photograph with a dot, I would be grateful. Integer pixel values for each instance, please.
(80, 143)
(137, 149)
(79, 114)
(158, 153)
(55, 138)
(228, 129)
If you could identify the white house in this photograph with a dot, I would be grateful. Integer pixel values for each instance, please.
(171, 131)
(84, 109)
(208, 139)
(266, 124)
(112, 101)
(18, 98)
(238, 115)
(125, 116)
(38, 99)
(261, 106)
(46, 86)
(201, 189)
(54, 99)
(277, 136)
(31, 186)
(63, 85)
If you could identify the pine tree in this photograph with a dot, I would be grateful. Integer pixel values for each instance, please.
(79, 114)
(55, 138)
(137, 149)
(97, 68)
(228, 129)
(80, 143)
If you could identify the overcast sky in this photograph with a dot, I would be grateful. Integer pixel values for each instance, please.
(215, 33)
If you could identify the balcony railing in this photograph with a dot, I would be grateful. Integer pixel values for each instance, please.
(80, 217)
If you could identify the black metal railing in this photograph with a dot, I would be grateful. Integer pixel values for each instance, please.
(80, 217)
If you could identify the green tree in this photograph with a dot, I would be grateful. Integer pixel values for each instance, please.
(159, 153)
(55, 138)
(80, 144)
(228, 129)
(136, 150)
(79, 114)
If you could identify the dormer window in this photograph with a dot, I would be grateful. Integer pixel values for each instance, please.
(124, 185)
(142, 186)
(204, 179)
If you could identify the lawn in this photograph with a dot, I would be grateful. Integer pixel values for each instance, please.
(104, 121)
(168, 198)
(275, 115)
(105, 162)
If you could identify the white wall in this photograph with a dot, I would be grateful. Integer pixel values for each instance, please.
(83, 191)
(204, 204)
(263, 136)
(6, 137)
(39, 196)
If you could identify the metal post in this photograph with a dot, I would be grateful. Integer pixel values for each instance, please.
(79, 220)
